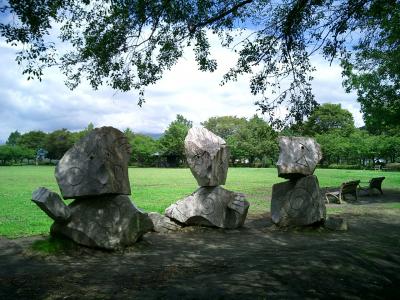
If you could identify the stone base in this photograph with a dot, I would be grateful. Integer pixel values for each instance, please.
(210, 206)
(336, 223)
(162, 223)
(297, 202)
(108, 222)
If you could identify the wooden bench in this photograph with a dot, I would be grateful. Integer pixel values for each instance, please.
(374, 183)
(346, 188)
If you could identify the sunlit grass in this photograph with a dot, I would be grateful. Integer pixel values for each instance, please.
(152, 190)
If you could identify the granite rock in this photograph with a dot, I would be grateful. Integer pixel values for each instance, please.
(52, 204)
(210, 206)
(162, 223)
(208, 156)
(108, 222)
(297, 202)
(298, 156)
(96, 165)
(336, 223)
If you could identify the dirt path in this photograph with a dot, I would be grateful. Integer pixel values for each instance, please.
(254, 262)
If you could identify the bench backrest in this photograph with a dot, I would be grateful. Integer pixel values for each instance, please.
(376, 182)
(349, 187)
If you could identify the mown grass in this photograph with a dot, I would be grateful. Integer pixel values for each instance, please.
(152, 190)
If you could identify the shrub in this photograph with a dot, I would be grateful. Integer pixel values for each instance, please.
(349, 167)
(393, 166)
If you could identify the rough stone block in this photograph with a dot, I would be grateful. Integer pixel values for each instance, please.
(298, 156)
(52, 204)
(210, 206)
(162, 223)
(96, 165)
(297, 202)
(108, 222)
(208, 157)
(336, 223)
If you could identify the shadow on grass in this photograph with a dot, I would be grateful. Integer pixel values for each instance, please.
(53, 246)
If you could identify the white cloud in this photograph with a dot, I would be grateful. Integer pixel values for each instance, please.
(327, 87)
(49, 105)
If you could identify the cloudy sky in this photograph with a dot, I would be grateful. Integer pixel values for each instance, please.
(49, 105)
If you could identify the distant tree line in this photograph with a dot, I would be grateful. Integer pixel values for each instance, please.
(344, 145)
(253, 142)
(21, 147)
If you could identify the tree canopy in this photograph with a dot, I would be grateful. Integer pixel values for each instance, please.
(173, 141)
(329, 117)
(128, 44)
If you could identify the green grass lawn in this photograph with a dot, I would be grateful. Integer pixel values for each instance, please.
(152, 190)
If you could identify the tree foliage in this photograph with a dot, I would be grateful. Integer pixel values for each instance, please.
(327, 118)
(359, 148)
(13, 138)
(173, 140)
(58, 142)
(249, 140)
(34, 140)
(374, 69)
(129, 44)
(10, 153)
(225, 126)
(144, 150)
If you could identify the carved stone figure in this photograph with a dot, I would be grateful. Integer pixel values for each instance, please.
(108, 222)
(95, 172)
(208, 156)
(210, 206)
(96, 165)
(297, 202)
(298, 156)
(51, 203)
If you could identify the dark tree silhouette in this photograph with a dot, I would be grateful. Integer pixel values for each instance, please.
(128, 44)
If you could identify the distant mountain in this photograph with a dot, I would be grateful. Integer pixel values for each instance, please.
(153, 135)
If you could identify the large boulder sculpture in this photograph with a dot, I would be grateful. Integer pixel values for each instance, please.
(108, 222)
(94, 172)
(97, 164)
(208, 156)
(298, 156)
(211, 205)
(297, 202)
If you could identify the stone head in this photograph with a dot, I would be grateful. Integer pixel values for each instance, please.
(298, 156)
(208, 156)
(96, 165)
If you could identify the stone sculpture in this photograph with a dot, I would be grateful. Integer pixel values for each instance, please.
(108, 222)
(97, 164)
(211, 205)
(208, 156)
(94, 172)
(52, 204)
(297, 202)
(162, 223)
(298, 156)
